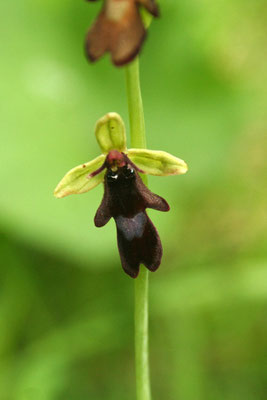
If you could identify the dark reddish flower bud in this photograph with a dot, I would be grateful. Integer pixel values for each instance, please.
(119, 29)
(126, 199)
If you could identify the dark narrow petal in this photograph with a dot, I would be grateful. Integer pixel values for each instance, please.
(151, 6)
(151, 200)
(138, 242)
(129, 161)
(96, 172)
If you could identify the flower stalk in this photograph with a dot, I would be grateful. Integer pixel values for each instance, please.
(138, 140)
(135, 106)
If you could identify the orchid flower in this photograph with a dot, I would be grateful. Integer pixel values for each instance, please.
(125, 195)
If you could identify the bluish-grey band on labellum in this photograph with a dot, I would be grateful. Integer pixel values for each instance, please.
(156, 162)
(76, 181)
(110, 133)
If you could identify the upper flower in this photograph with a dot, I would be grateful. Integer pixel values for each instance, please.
(119, 29)
(110, 135)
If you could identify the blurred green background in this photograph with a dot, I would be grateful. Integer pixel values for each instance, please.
(66, 307)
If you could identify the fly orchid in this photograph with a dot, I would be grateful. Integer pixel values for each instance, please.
(119, 29)
(125, 195)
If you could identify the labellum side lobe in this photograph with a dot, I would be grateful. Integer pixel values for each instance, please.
(126, 199)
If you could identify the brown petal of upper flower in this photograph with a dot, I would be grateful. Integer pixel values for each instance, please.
(119, 29)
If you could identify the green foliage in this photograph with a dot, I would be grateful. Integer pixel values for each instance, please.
(66, 312)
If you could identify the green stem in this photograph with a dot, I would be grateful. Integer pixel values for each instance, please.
(141, 336)
(138, 140)
(135, 106)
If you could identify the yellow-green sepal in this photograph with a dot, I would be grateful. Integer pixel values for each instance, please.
(157, 163)
(76, 181)
(110, 133)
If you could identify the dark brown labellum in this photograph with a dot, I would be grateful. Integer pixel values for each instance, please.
(126, 199)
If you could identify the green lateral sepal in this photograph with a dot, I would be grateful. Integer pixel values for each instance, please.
(78, 181)
(158, 163)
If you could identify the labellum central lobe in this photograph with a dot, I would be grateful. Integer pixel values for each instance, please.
(126, 199)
